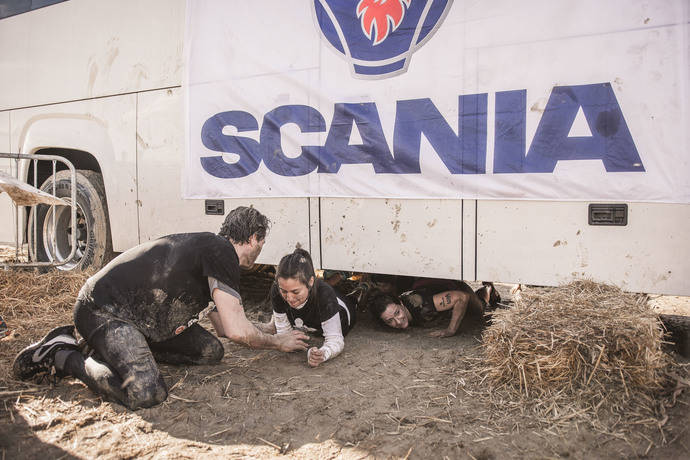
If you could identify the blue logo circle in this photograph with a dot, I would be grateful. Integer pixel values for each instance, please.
(378, 37)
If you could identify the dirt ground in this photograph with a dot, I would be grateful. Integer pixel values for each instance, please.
(388, 395)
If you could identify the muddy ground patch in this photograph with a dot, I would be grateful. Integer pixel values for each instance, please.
(389, 394)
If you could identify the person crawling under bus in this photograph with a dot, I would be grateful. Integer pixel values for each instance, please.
(301, 300)
(431, 301)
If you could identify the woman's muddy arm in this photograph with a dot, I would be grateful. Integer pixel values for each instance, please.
(455, 300)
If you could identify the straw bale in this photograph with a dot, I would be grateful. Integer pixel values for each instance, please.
(578, 336)
(583, 352)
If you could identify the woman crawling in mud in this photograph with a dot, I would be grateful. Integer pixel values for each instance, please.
(428, 303)
(302, 301)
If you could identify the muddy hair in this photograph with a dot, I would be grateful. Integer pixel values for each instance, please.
(243, 222)
(297, 265)
(376, 302)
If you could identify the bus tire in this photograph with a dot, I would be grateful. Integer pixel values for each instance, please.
(94, 245)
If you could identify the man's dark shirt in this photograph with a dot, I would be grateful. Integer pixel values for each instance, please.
(160, 285)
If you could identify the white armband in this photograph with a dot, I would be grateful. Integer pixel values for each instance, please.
(282, 323)
(333, 337)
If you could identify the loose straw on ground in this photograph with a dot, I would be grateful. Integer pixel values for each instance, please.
(31, 304)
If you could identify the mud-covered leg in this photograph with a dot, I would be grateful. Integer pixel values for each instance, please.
(122, 369)
(193, 346)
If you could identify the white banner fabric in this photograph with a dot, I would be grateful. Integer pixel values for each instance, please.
(570, 100)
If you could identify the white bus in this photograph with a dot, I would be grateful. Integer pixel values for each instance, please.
(100, 83)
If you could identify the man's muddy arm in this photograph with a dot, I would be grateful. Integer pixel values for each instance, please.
(459, 310)
(235, 326)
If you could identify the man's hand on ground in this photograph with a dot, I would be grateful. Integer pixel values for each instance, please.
(292, 341)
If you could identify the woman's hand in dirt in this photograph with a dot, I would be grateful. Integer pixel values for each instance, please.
(315, 357)
(292, 341)
(441, 333)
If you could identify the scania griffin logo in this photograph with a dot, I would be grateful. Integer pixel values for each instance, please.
(378, 37)
(379, 18)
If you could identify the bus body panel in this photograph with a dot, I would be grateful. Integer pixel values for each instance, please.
(407, 237)
(544, 242)
(90, 48)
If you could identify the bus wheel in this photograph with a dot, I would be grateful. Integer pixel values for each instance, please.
(53, 236)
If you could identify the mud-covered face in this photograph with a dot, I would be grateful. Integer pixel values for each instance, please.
(294, 291)
(396, 316)
(256, 246)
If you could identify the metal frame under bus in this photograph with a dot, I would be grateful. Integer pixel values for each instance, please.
(53, 236)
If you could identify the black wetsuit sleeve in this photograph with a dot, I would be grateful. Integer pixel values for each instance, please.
(328, 301)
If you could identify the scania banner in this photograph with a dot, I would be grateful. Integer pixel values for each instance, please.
(569, 100)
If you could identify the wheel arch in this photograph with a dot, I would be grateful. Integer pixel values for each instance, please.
(79, 158)
(83, 140)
